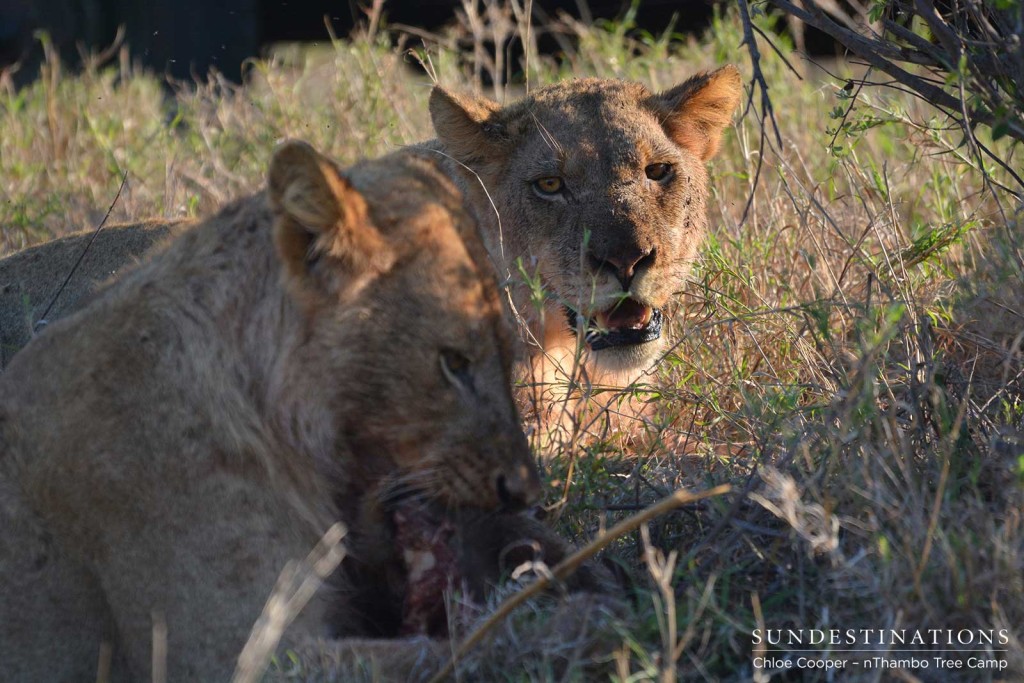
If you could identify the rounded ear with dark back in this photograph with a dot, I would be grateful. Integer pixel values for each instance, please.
(468, 126)
(321, 217)
(695, 112)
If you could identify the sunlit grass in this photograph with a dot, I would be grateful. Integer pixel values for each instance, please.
(848, 350)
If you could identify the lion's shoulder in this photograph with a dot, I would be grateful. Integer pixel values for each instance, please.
(31, 279)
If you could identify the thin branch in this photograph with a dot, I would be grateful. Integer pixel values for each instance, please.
(750, 41)
(571, 564)
(757, 80)
(42, 321)
(849, 110)
(296, 585)
(775, 48)
(757, 173)
(875, 53)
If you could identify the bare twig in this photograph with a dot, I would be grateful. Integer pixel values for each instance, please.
(758, 77)
(884, 55)
(846, 114)
(159, 655)
(298, 583)
(571, 564)
(757, 81)
(42, 321)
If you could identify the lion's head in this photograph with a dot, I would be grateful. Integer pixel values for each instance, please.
(402, 309)
(599, 189)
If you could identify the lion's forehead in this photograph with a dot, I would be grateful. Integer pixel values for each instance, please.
(589, 93)
(597, 132)
(445, 278)
(583, 105)
(614, 146)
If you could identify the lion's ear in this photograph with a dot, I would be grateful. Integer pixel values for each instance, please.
(696, 111)
(319, 215)
(467, 125)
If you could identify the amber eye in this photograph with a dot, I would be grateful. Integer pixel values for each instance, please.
(658, 171)
(550, 185)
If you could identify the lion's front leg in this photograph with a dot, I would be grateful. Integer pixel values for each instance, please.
(187, 588)
(54, 621)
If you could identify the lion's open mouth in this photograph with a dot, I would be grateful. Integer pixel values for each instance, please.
(627, 323)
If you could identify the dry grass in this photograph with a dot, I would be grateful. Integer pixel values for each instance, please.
(848, 356)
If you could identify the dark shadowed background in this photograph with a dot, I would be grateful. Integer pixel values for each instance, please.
(184, 38)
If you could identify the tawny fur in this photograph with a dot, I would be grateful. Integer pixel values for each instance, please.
(166, 450)
(30, 280)
(599, 136)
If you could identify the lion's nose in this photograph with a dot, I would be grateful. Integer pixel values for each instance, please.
(624, 263)
(517, 488)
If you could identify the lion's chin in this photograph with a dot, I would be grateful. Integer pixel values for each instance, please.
(627, 361)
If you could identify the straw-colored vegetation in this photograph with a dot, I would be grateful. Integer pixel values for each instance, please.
(848, 352)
